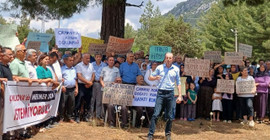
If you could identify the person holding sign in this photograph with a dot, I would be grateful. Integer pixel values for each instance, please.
(246, 100)
(262, 79)
(168, 75)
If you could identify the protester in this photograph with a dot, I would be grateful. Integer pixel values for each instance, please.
(149, 72)
(216, 105)
(69, 88)
(191, 104)
(31, 59)
(262, 80)
(4, 67)
(18, 67)
(96, 100)
(227, 103)
(207, 85)
(143, 68)
(178, 61)
(246, 100)
(109, 74)
(168, 75)
(86, 77)
(128, 71)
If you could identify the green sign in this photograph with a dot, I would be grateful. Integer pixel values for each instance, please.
(157, 53)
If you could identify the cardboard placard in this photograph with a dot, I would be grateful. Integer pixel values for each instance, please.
(119, 45)
(43, 38)
(183, 86)
(245, 87)
(118, 94)
(157, 53)
(245, 49)
(86, 41)
(233, 58)
(8, 36)
(97, 49)
(34, 45)
(67, 38)
(197, 67)
(214, 56)
(225, 86)
(144, 96)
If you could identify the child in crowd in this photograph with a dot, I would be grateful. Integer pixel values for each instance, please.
(191, 104)
(216, 105)
(183, 108)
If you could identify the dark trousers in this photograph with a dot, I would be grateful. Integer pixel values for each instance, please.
(204, 102)
(247, 106)
(260, 104)
(183, 110)
(147, 111)
(85, 94)
(96, 100)
(111, 114)
(227, 109)
(165, 98)
(191, 111)
(68, 103)
(237, 107)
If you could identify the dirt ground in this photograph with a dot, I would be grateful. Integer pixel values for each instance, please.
(199, 129)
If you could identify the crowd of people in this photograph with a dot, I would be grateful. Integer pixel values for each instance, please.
(83, 78)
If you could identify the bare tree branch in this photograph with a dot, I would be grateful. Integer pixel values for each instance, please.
(134, 5)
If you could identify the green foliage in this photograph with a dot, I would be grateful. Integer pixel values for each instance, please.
(165, 31)
(129, 31)
(248, 2)
(23, 28)
(252, 23)
(51, 9)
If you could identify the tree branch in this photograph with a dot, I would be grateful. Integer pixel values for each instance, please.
(134, 5)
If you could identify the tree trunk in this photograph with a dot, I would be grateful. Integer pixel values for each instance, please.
(113, 19)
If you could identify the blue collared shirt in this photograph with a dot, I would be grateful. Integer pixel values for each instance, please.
(129, 72)
(98, 69)
(69, 75)
(178, 65)
(168, 76)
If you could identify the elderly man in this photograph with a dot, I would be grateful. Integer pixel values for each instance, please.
(69, 88)
(129, 71)
(86, 77)
(168, 75)
(110, 74)
(31, 59)
(7, 55)
(178, 61)
(96, 101)
(18, 67)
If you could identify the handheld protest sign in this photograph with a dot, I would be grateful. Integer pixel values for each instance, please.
(197, 67)
(43, 38)
(144, 96)
(86, 41)
(245, 87)
(214, 56)
(225, 86)
(233, 58)
(183, 86)
(157, 53)
(67, 38)
(8, 36)
(34, 45)
(119, 45)
(97, 49)
(245, 49)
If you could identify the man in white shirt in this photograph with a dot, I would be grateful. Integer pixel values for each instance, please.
(86, 77)
(31, 58)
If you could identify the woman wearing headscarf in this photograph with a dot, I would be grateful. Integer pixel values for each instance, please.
(207, 85)
(262, 80)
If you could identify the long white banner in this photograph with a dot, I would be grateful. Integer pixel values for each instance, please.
(26, 105)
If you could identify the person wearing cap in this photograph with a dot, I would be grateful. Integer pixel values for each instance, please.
(96, 100)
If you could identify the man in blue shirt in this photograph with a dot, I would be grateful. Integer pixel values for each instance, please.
(69, 88)
(128, 71)
(168, 75)
(96, 92)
